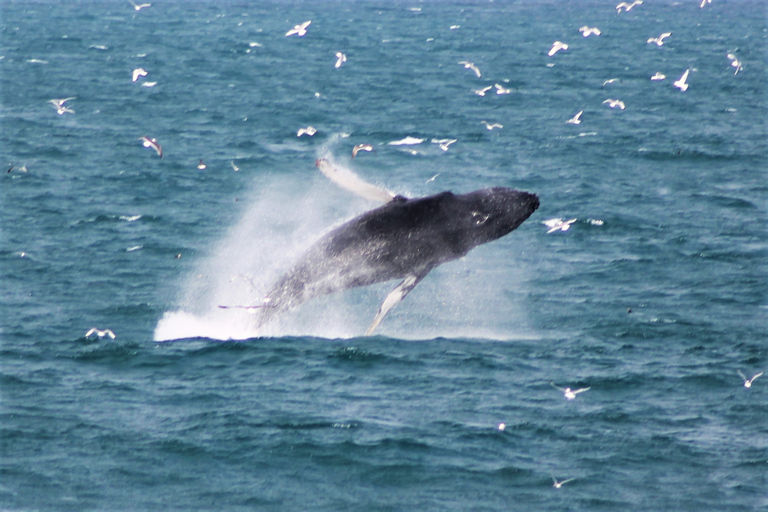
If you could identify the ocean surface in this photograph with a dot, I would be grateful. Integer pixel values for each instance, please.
(654, 299)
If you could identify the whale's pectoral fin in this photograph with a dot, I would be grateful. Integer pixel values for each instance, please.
(394, 297)
(350, 181)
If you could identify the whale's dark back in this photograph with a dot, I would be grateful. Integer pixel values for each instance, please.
(404, 237)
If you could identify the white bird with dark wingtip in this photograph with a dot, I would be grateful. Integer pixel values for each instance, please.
(748, 382)
(614, 103)
(340, 59)
(575, 119)
(148, 142)
(734, 62)
(680, 83)
(588, 31)
(138, 72)
(299, 30)
(100, 333)
(569, 393)
(60, 107)
(556, 47)
(659, 40)
(471, 66)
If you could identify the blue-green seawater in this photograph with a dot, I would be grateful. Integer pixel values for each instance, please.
(654, 299)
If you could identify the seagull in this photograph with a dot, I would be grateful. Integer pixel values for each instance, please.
(556, 47)
(341, 59)
(361, 147)
(492, 126)
(139, 7)
(614, 103)
(59, 106)
(610, 81)
(575, 119)
(432, 178)
(444, 143)
(100, 333)
(469, 65)
(202, 165)
(570, 394)
(481, 92)
(748, 382)
(501, 90)
(138, 72)
(558, 224)
(299, 30)
(588, 31)
(734, 62)
(680, 84)
(558, 485)
(309, 130)
(703, 2)
(152, 143)
(628, 7)
(149, 84)
(659, 40)
(658, 76)
(501, 427)
(234, 167)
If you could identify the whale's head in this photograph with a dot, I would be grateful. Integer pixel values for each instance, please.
(491, 213)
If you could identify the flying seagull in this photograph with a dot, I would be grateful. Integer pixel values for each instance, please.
(748, 382)
(361, 147)
(558, 485)
(340, 59)
(575, 119)
(627, 6)
(492, 126)
(501, 90)
(588, 31)
(556, 47)
(138, 72)
(299, 30)
(659, 40)
(100, 333)
(680, 83)
(60, 107)
(558, 224)
(614, 103)
(658, 76)
(139, 7)
(152, 143)
(734, 62)
(481, 92)
(469, 65)
(569, 393)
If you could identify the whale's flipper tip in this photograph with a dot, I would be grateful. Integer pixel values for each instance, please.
(350, 181)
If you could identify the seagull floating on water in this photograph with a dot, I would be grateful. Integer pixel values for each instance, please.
(299, 30)
(558, 485)
(60, 107)
(556, 47)
(734, 62)
(491, 126)
(100, 333)
(340, 59)
(569, 393)
(558, 224)
(588, 31)
(627, 6)
(361, 147)
(152, 143)
(659, 40)
(658, 76)
(309, 130)
(469, 65)
(575, 119)
(614, 103)
(680, 83)
(138, 72)
(748, 382)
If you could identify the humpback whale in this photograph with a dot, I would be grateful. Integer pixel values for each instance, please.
(403, 239)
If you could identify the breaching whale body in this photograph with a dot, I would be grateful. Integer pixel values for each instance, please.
(403, 239)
